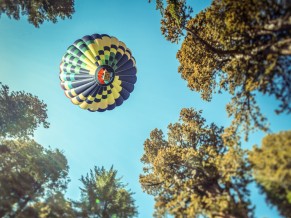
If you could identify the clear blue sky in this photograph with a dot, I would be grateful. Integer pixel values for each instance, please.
(30, 58)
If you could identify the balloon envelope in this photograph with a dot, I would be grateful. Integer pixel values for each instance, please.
(98, 72)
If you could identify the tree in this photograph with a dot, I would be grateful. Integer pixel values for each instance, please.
(38, 10)
(241, 47)
(28, 174)
(20, 113)
(104, 195)
(272, 170)
(193, 173)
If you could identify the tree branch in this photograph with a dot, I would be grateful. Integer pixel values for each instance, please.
(211, 48)
(24, 204)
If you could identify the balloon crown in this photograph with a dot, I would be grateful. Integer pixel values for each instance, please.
(104, 75)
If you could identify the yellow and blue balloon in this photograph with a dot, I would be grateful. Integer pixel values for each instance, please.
(98, 72)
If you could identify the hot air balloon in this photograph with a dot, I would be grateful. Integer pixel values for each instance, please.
(98, 72)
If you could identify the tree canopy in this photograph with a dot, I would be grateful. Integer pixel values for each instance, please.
(20, 113)
(271, 165)
(104, 195)
(28, 174)
(241, 47)
(192, 172)
(38, 11)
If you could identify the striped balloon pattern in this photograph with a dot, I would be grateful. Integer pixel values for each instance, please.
(98, 72)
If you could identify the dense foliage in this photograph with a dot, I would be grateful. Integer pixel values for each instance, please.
(241, 47)
(104, 195)
(192, 172)
(55, 206)
(20, 113)
(29, 173)
(38, 11)
(271, 165)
